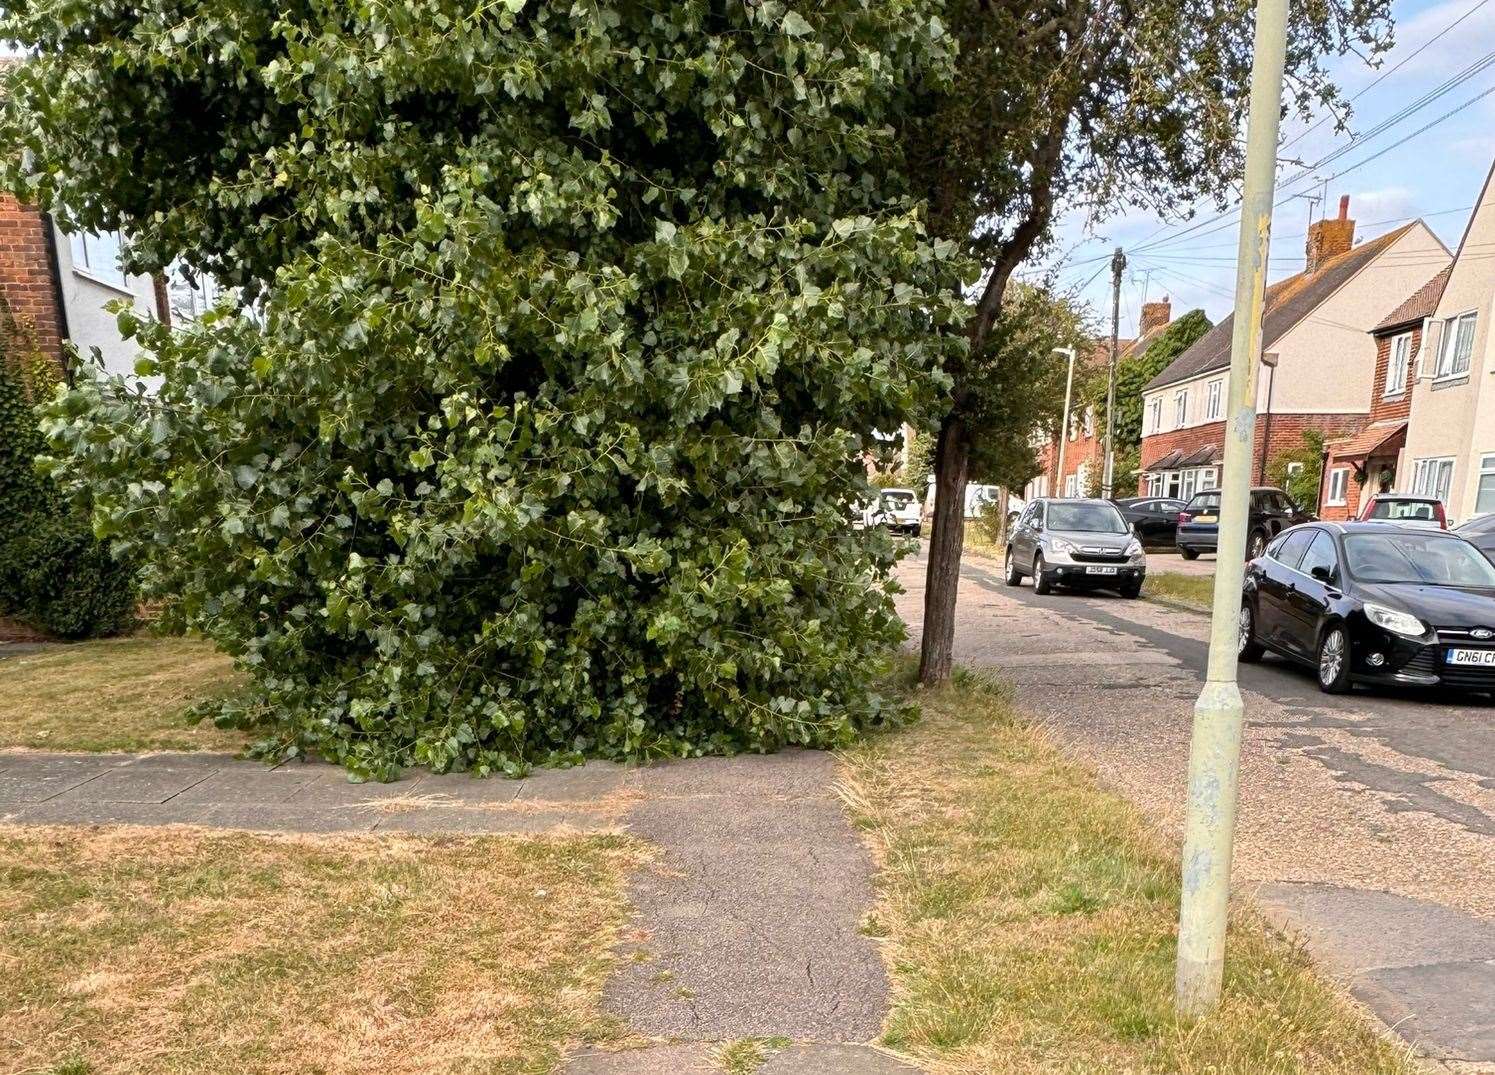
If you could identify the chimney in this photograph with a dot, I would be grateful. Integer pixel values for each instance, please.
(1329, 238)
(1155, 315)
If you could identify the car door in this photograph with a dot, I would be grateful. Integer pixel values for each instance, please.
(1307, 601)
(1022, 537)
(1276, 581)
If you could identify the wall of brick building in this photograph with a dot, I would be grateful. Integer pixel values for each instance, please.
(1286, 431)
(27, 284)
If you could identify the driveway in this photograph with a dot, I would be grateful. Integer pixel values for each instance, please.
(1367, 822)
(1172, 561)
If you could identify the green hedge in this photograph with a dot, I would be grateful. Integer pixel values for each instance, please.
(53, 573)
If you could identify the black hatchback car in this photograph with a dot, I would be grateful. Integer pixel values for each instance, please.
(1154, 518)
(1272, 511)
(1373, 603)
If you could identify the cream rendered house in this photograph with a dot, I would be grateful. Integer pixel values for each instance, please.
(1450, 450)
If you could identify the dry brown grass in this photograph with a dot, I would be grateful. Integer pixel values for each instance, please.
(172, 951)
(114, 694)
(1030, 919)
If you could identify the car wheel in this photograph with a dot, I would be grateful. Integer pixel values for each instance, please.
(1040, 583)
(1256, 544)
(1188, 553)
(1012, 575)
(1334, 661)
(1247, 648)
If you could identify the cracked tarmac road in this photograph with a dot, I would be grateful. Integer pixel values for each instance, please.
(1366, 821)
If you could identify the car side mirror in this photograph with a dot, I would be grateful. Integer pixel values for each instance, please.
(1322, 573)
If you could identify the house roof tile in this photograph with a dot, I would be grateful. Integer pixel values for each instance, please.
(1420, 304)
(1287, 302)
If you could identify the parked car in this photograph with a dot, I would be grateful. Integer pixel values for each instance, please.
(1080, 543)
(1272, 511)
(1373, 603)
(1481, 531)
(897, 509)
(1155, 519)
(1405, 509)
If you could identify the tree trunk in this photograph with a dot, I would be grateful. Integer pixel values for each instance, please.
(946, 539)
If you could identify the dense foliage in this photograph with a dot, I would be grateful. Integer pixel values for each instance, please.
(572, 322)
(1297, 468)
(53, 573)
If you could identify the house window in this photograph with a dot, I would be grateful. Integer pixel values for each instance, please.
(1180, 407)
(1089, 421)
(190, 295)
(1154, 485)
(97, 254)
(1209, 478)
(1069, 485)
(1432, 477)
(1396, 368)
(1212, 408)
(1484, 501)
(1339, 483)
(1154, 414)
(1074, 425)
(1456, 347)
(1294, 469)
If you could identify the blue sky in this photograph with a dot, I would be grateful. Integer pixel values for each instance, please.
(1436, 175)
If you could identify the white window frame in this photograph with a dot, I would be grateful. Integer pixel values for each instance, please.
(1397, 364)
(1433, 476)
(1486, 470)
(1455, 347)
(1089, 421)
(1180, 408)
(1071, 484)
(97, 255)
(1155, 414)
(188, 300)
(1294, 469)
(1214, 401)
(1209, 478)
(1339, 487)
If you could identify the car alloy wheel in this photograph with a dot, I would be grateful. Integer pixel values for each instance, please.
(1040, 584)
(1334, 661)
(1256, 546)
(1011, 574)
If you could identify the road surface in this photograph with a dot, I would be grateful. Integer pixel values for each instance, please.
(1367, 821)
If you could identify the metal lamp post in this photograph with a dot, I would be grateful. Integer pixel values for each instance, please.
(1069, 386)
(1215, 749)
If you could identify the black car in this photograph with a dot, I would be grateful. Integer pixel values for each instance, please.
(1481, 531)
(1155, 519)
(1272, 511)
(1373, 603)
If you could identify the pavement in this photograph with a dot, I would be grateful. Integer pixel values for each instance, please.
(747, 924)
(1366, 821)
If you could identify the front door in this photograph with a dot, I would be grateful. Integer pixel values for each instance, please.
(1278, 578)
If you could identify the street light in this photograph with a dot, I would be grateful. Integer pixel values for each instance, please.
(1215, 749)
(1069, 386)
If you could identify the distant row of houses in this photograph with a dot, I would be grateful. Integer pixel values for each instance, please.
(1382, 349)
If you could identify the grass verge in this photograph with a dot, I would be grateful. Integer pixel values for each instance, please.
(152, 951)
(1174, 587)
(1030, 919)
(114, 694)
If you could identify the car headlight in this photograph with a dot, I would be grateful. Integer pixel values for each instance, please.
(1060, 545)
(1402, 623)
(1134, 548)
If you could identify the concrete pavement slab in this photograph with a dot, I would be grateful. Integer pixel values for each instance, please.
(139, 784)
(688, 1059)
(76, 812)
(835, 1060)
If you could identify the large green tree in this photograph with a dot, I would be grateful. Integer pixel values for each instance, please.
(1091, 105)
(568, 324)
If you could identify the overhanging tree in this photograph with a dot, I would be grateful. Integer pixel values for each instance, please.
(570, 323)
(1094, 105)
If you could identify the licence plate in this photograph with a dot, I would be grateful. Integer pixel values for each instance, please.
(1205, 519)
(1482, 657)
(1112, 571)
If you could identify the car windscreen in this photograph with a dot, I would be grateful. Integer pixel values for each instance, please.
(897, 501)
(1425, 558)
(1090, 518)
(1205, 502)
(1401, 509)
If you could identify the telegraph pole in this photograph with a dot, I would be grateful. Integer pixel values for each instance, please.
(1215, 750)
(1118, 265)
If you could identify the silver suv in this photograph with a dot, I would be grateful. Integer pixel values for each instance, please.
(1075, 543)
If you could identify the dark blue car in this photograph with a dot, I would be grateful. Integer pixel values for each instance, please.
(1272, 511)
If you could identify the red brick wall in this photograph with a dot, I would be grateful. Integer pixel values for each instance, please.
(26, 281)
(1287, 431)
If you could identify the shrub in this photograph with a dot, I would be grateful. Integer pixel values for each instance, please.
(53, 573)
(572, 324)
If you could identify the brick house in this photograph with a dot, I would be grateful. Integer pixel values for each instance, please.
(1319, 357)
(1084, 430)
(1367, 462)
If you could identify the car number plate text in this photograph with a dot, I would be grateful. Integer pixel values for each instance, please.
(1100, 571)
(1471, 656)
